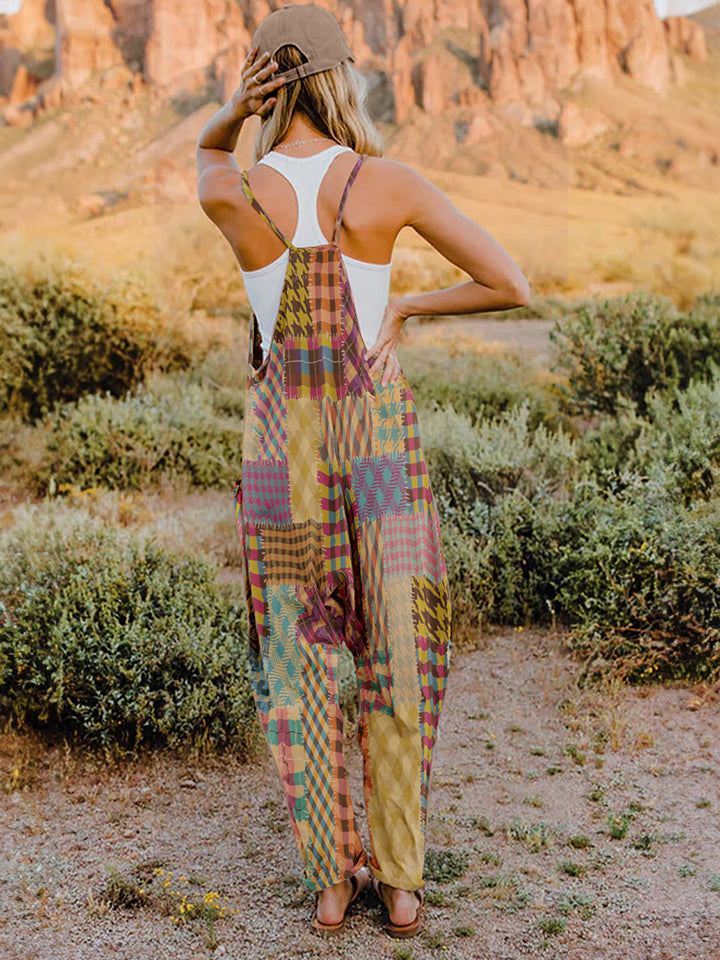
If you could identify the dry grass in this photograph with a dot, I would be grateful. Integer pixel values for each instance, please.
(204, 521)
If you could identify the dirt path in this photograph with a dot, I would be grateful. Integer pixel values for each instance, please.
(526, 766)
(527, 338)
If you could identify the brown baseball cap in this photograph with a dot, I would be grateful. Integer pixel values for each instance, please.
(310, 28)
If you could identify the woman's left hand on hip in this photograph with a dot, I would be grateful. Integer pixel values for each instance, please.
(383, 352)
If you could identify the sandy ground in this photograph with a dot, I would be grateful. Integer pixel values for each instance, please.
(526, 763)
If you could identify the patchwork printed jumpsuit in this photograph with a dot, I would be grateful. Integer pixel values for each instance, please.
(341, 543)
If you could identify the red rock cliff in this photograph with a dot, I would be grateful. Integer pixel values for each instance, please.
(420, 56)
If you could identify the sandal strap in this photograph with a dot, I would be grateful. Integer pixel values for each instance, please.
(419, 893)
(356, 887)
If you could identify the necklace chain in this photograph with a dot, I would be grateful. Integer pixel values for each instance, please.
(295, 143)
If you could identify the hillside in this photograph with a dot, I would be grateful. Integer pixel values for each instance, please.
(583, 135)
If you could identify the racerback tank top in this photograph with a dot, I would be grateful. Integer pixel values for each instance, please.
(369, 282)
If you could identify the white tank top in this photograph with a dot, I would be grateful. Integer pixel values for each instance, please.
(369, 282)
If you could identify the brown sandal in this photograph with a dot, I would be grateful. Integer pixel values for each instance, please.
(401, 930)
(359, 883)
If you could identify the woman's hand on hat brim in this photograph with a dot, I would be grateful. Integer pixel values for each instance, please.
(256, 85)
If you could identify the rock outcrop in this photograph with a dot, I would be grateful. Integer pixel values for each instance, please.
(423, 57)
(86, 41)
(23, 37)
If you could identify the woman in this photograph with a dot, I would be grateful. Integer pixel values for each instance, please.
(340, 533)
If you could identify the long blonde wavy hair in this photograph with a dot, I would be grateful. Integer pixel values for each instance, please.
(333, 100)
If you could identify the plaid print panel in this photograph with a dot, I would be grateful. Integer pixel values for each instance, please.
(341, 545)
(345, 429)
(376, 614)
(255, 569)
(336, 534)
(433, 669)
(356, 370)
(388, 410)
(323, 761)
(324, 298)
(270, 416)
(419, 493)
(284, 731)
(294, 555)
(313, 368)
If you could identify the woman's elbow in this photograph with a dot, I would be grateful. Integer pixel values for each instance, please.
(518, 292)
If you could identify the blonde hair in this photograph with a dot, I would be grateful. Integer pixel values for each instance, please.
(333, 100)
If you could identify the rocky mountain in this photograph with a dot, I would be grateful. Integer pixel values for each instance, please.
(590, 93)
(421, 56)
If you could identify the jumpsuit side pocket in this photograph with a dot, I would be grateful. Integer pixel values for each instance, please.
(237, 497)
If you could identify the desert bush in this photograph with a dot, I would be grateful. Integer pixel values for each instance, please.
(623, 348)
(632, 575)
(63, 336)
(626, 560)
(684, 434)
(608, 446)
(222, 373)
(471, 464)
(469, 579)
(23, 455)
(121, 643)
(497, 487)
(507, 567)
(641, 589)
(706, 307)
(681, 432)
(169, 434)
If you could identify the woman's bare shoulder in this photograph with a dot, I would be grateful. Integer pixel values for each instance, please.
(393, 172)
(400, 189)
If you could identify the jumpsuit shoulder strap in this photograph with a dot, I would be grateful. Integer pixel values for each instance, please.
(256, 206)
(353, 173)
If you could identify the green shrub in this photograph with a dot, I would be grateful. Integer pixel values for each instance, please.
(470, 581)
(471, 465)
(684, 434)
(144, 439)
(642, 589)
(121, 643)
(221, 372)
(608, 447)
(445, 865)
(499, 488)
(63, 336)
(486, 480)
(620, 349)
(23, 456)
(632, 573)
(706, 307)
(680, 435)
(628, 561)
